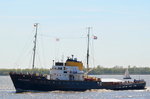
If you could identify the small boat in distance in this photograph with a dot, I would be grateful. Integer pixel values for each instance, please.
(127, 75)
(68, 76)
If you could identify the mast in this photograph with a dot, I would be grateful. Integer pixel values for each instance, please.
(35, 40)
(88, 45)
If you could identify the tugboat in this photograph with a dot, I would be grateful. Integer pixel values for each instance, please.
(68, 76)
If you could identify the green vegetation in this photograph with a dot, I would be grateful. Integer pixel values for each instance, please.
(40, 71)
(117, 70)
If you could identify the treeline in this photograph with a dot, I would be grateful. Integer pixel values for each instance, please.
(40, 71)
(99, 70)
(119, 70)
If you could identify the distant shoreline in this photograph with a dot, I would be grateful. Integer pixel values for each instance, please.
(117, 70)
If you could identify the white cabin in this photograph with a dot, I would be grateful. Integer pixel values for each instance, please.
(61, 71)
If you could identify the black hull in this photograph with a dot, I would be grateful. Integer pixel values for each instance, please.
(26, 82)
(127, 78)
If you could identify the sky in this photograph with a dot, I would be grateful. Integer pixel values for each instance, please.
(122, 28)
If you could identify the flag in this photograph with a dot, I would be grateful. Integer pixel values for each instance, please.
(95, 37)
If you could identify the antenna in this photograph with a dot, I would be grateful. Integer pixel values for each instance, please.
(35, 40)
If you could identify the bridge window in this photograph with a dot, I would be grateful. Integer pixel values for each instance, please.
(59, 68)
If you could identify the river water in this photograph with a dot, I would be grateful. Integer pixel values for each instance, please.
(7, 91)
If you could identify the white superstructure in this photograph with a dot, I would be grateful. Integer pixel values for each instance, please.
(62, 71)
